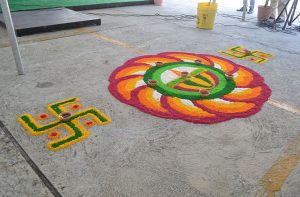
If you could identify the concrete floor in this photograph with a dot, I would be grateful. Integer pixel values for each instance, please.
(139, 154)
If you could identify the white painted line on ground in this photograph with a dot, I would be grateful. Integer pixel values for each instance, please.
(284, 106)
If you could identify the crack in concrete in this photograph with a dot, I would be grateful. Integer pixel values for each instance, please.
(31, 163)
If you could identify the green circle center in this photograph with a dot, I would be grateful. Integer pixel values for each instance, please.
(170, 82)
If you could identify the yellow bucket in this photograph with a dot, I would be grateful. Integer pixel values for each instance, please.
(206, 15)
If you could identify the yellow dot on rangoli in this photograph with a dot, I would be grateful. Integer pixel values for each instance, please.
(75, 106)
(43, 116)
(53, 135)
(89, 123)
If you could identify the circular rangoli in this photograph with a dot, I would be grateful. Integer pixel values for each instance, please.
(198, 88)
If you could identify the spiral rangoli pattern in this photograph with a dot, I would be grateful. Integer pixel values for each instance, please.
(197, 88)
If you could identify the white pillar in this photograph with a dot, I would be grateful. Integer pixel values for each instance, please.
(245, 4)
(12, 36)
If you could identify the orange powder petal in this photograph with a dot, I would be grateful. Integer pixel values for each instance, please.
(182, 108)
(189, 57)
(225, 66)
(131, 70)
(248, 93)
(244, 78)
(126, 86)
(153, 60)
(146, 97)
(228, 107)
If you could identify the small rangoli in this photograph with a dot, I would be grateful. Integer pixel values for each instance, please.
(255, 56)
(64, 119)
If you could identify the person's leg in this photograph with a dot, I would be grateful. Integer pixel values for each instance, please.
(281, 5)
(241, 9)
(274, 5)
(252, 3)
(251, 7)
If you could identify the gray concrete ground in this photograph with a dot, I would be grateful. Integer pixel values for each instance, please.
(138, 154)
(17, 177)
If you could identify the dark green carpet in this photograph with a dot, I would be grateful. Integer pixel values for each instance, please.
(18, 5)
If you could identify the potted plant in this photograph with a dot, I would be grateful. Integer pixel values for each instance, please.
(264, 11)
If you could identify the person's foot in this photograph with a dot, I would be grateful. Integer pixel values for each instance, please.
(250, 11)
(241, 9)
(280, 20)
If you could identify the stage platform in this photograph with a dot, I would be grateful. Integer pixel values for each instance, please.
(38, 21)
(22, 5)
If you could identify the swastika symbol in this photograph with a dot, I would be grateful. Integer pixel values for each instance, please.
(240, 52)
(72, 124)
